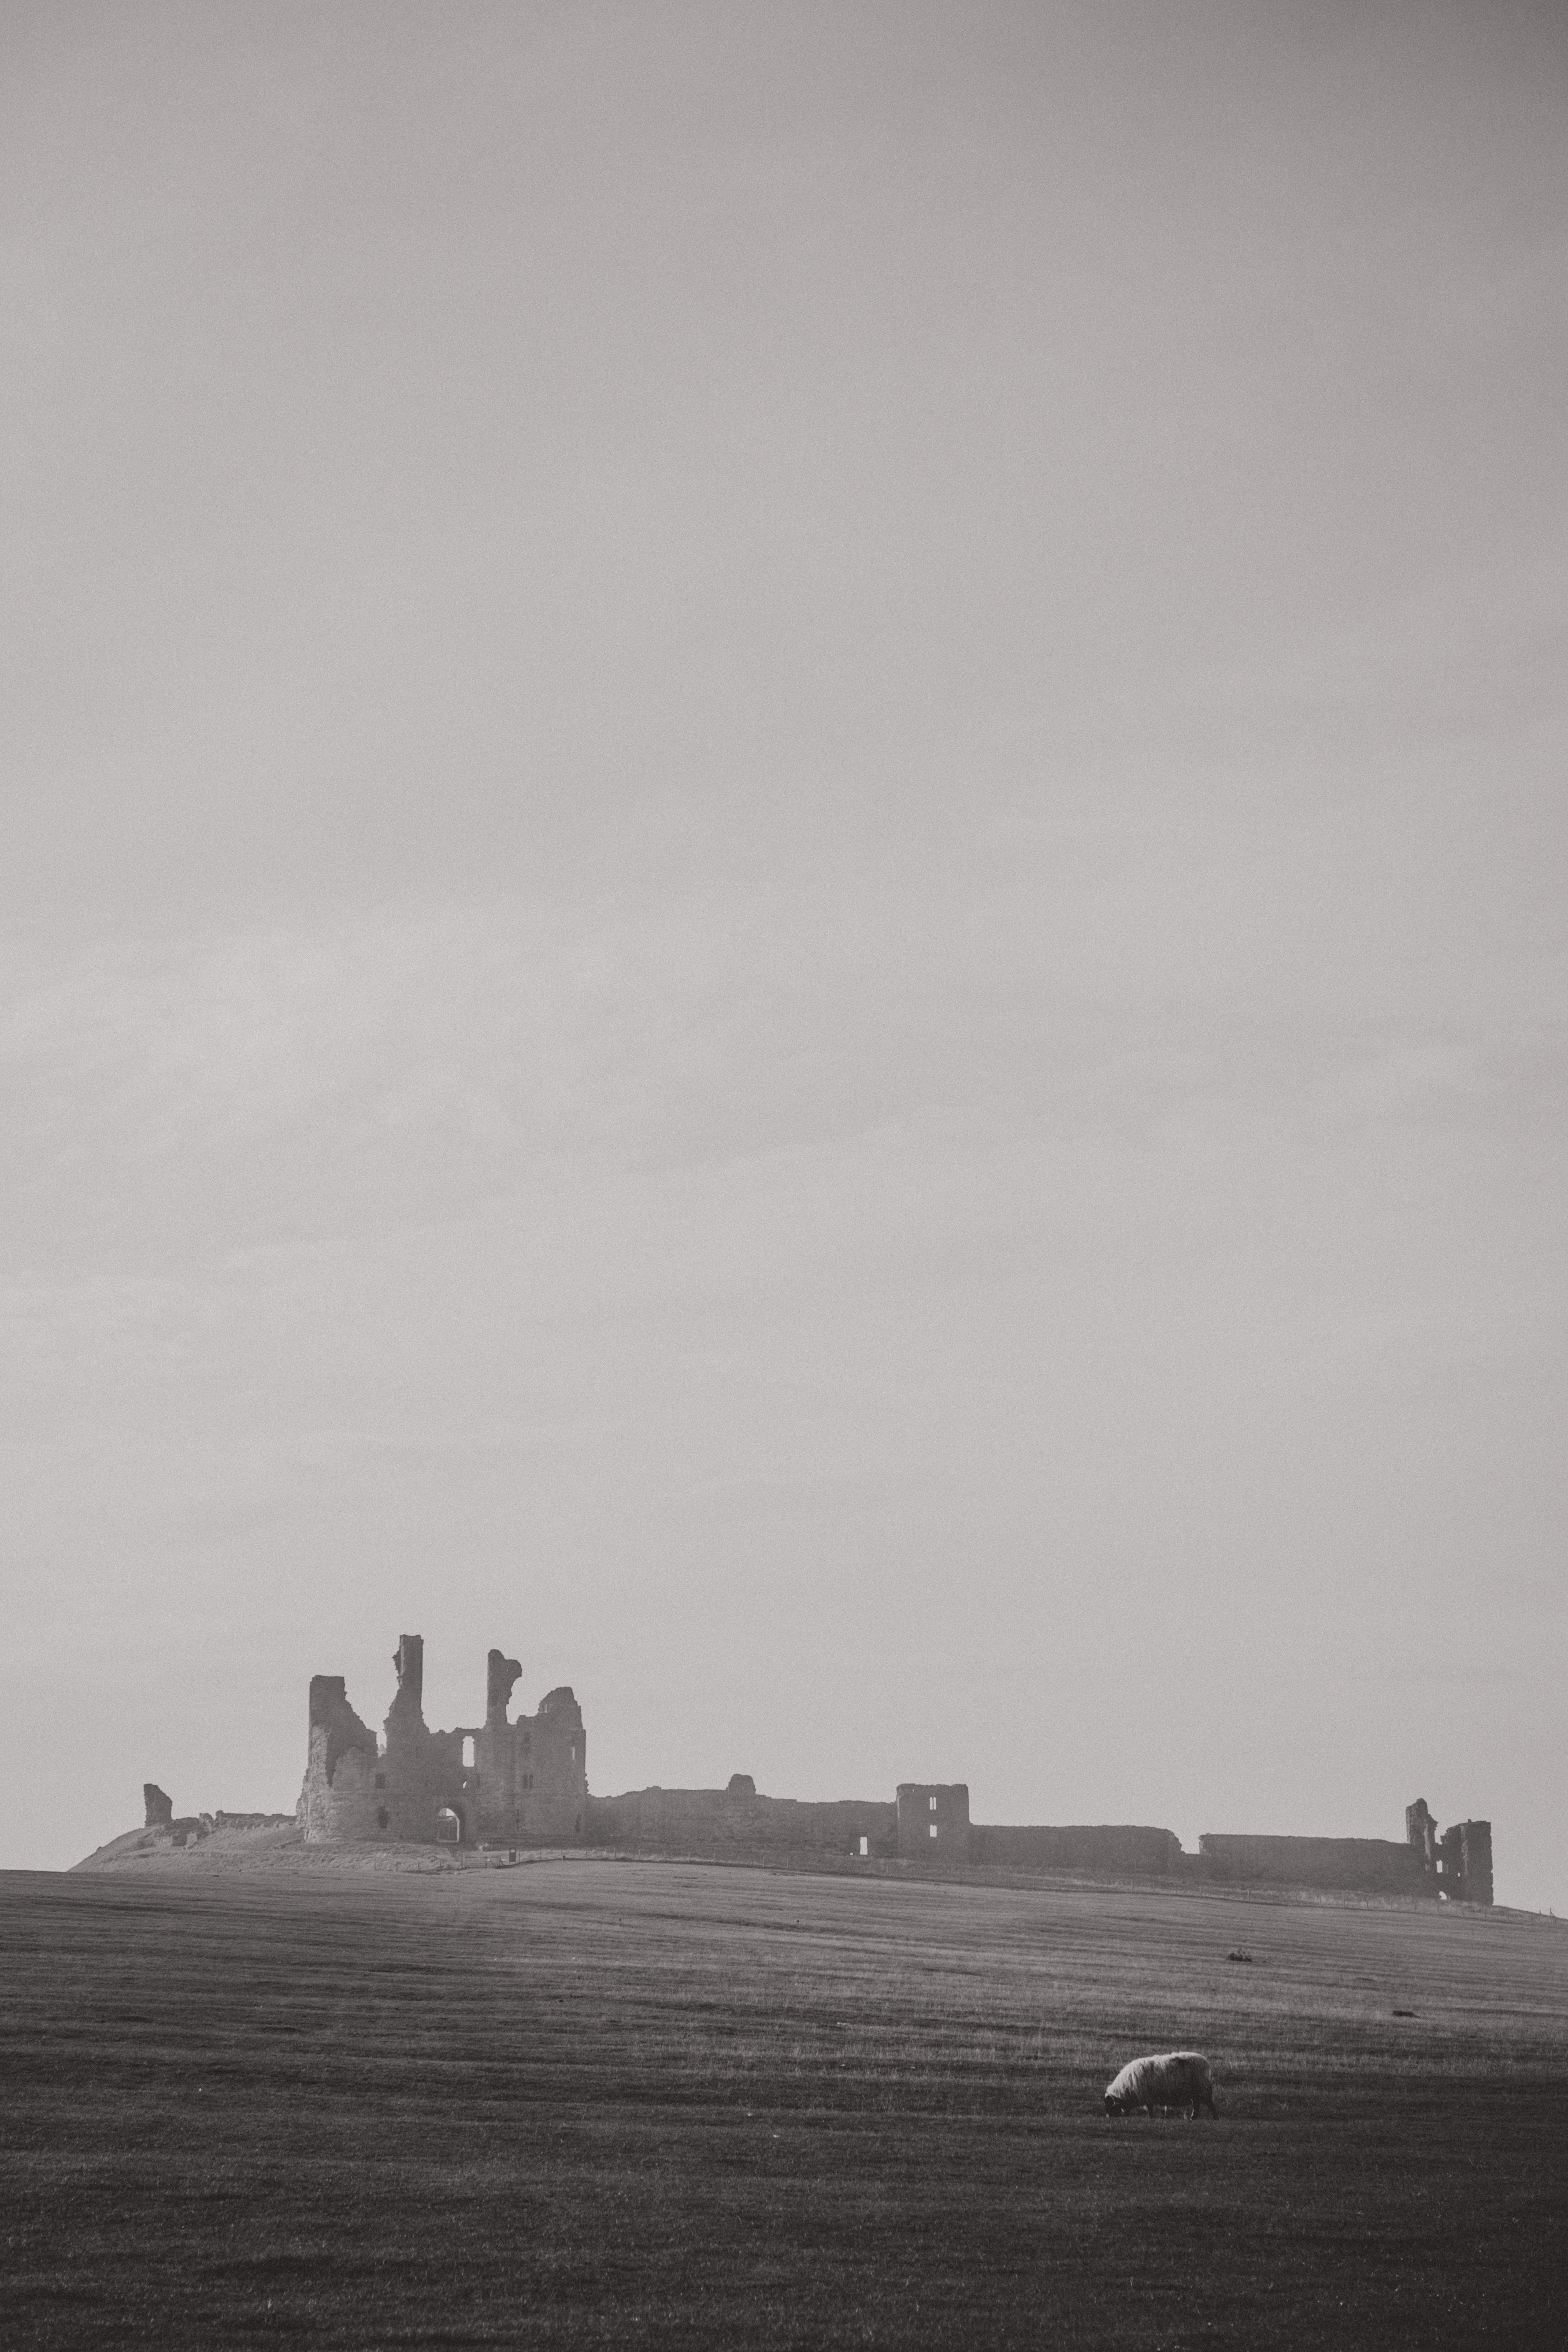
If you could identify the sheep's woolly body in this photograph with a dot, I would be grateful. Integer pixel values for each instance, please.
(1179, 2079)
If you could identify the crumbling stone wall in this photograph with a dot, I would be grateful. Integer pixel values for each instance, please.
(1421, 1836)
(1116, 1850)
(357, 1788)
(738, 1822)
(1458, 1863)
(337, 1799)
(1352, 1865)
(163, 1830)
(528, 1783)
(1465, 1862)
(735, 1820)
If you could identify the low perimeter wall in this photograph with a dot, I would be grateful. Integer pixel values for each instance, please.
(738, 1823)
(1120, 1848)
(1355, 1865)
(716, 1821)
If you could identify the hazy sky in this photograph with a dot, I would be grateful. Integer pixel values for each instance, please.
(783, 888)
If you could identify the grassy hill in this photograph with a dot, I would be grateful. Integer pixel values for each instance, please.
(602, 2103)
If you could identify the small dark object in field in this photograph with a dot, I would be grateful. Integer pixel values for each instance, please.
(1240, 1956)
(1405, 2012)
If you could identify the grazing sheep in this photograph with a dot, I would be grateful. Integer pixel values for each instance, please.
(1180, 2079)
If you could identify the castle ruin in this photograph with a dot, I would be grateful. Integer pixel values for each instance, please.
(512, 1783)
(495, 1783)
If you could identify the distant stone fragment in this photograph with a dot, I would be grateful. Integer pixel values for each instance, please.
(160, 1809)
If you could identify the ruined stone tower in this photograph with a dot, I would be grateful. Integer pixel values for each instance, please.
(498, 1783)
(1458, 1863)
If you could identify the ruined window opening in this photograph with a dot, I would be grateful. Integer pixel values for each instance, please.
(449, 1827)
(934, 1804)
(573, 1752)
(381, 1818)
(469, 1752)
(933, 1829)
(866, 1845)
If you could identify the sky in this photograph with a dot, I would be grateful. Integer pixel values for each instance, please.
(783, 900)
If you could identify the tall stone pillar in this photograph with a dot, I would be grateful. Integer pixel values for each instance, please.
(500, 1672)
(1421, 1834)
(409, 1661)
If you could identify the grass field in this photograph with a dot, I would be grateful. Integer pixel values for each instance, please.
(636, 2103)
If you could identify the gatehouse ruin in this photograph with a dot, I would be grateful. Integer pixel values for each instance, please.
(490, 1783)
